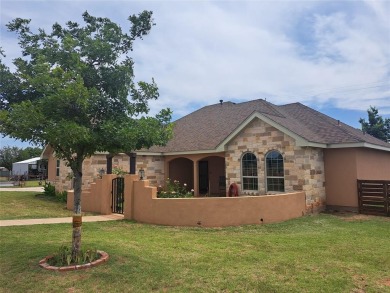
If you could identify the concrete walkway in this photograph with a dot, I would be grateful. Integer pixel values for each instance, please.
(37, 189)
(25, 222)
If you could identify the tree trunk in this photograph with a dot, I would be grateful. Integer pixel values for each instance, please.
(77, 219)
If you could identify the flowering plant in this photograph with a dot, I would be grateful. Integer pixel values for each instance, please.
(174, 190)
(118, 171)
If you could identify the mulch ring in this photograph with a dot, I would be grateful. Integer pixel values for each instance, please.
(103, 258)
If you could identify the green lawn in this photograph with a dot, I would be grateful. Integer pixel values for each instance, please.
(323, 253)
(28, 205)
(33, 183)
(29, 183)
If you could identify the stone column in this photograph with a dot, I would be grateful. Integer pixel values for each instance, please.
(109, 163)
(133, 161)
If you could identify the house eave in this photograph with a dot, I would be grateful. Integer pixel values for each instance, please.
(180, 153)
(357, 145)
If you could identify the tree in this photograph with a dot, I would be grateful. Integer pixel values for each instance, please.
(9, 155)
(376, 125)
(76, 92)
(30, 152)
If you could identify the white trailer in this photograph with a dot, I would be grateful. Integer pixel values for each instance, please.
(23, 168)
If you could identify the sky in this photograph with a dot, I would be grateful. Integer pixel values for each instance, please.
(333, 56)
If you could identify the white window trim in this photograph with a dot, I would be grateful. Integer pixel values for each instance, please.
(58, 165)
(256, 177)
(266, 175)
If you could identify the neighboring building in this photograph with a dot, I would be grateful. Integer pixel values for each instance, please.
(4, 172)
(261, 147)
(30, 169)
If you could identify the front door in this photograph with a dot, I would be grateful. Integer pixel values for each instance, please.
(203, 177)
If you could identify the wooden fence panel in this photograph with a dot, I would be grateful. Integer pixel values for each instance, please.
(374, 197)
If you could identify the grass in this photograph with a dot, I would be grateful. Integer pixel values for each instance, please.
(29, 183)
(29, 205)
(33, 183)
(323, 253)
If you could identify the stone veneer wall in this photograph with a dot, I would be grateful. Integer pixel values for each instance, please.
(303, 166)
(153, 166)
(154, 169)
(91, 167)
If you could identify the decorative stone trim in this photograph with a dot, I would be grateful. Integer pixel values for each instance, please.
(103, 258)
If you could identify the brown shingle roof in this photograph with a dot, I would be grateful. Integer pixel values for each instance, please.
(209, 126)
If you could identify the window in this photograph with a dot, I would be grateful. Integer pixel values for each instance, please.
(249, 172)
(274, 171)
(58, 168)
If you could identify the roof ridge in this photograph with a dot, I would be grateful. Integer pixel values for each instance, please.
(270, 106)
(204, 107)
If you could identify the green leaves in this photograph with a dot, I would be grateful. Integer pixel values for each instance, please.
(74, 89)
(9, 155)
(142, 24)
(376, 125)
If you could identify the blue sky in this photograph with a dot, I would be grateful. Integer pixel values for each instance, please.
(333, 56)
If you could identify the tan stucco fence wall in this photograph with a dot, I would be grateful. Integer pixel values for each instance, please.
(343, 167)
(141, 204)
(97, 198)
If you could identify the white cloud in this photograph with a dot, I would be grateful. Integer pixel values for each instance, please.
(317, 52)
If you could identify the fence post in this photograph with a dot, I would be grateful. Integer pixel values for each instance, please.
(359, 188)
(386, 193)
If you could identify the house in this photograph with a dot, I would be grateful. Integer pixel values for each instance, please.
(263, 148)
(30, 168)
(4, 172)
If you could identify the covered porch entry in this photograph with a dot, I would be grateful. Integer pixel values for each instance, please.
(204, 173)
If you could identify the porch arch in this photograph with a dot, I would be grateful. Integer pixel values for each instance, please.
(212, 178)
(182, 170)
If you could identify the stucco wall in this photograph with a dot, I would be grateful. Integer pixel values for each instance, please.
(372, 164)
(304, 167)
(344, 166)
(211, 212)
(97, 198)
(141, 204)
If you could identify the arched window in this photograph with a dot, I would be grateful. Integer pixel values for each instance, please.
(249, 172)
(274, 171)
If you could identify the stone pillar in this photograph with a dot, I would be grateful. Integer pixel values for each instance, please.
(133, 162)
(109, 163)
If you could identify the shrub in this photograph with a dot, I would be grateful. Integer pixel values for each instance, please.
(62, 196)
(174, 190)
(49, 190)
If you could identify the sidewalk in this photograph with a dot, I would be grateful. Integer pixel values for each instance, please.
(37, 189)
(25, 222)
